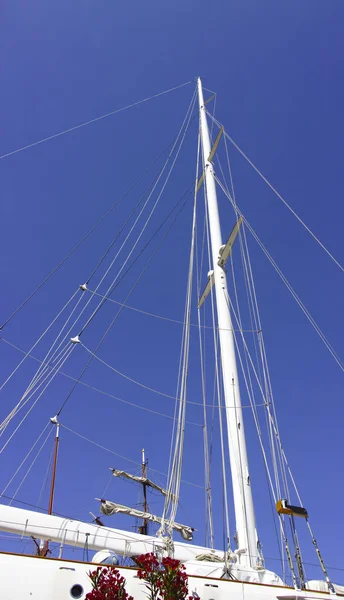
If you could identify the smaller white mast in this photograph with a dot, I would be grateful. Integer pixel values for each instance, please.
(242, 494)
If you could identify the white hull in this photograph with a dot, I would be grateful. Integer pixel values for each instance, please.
(24, 577)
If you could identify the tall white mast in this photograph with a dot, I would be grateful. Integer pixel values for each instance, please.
(242, 493)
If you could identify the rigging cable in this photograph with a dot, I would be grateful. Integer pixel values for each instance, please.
(29, 393)
(38, 340)
(173, 489)
(256, 323)
(123, 457)
(250, 284)
(56, 338)
(279, 195)
(90, 277)
(181, 134)
(82, 288)
(25, 458)
(55, 356)
(202, 350)
(31, 465)
(217, 386)
(113, 112)
(54, 373)
(69, 350)
(111, 395)
(249, 387)
(114, 319)
(209, 510)
(289, 287)
(162, 317)
(46, 476)
(133, 404)
(128, 295)
(281, 522)
(84, 238)
(254, 314)
(153, 184)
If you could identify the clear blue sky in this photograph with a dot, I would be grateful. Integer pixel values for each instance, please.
(277, 69)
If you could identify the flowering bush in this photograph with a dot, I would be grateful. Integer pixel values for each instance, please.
(108, 584)
(150, 572)
(166, 580)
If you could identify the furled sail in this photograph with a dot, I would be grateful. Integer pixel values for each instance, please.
(111, 508)
(77, 533)
(139, 479)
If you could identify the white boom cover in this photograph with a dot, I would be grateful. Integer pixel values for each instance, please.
(66, 531)
(77, 533)
(139, 479)
(112, 508)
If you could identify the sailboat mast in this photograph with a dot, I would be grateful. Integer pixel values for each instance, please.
(242, 493)
(53, 475)
(144, 527)
(54, 421)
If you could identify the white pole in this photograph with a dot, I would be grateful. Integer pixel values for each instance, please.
(242, 493)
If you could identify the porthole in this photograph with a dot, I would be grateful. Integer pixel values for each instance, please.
(76, 591)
